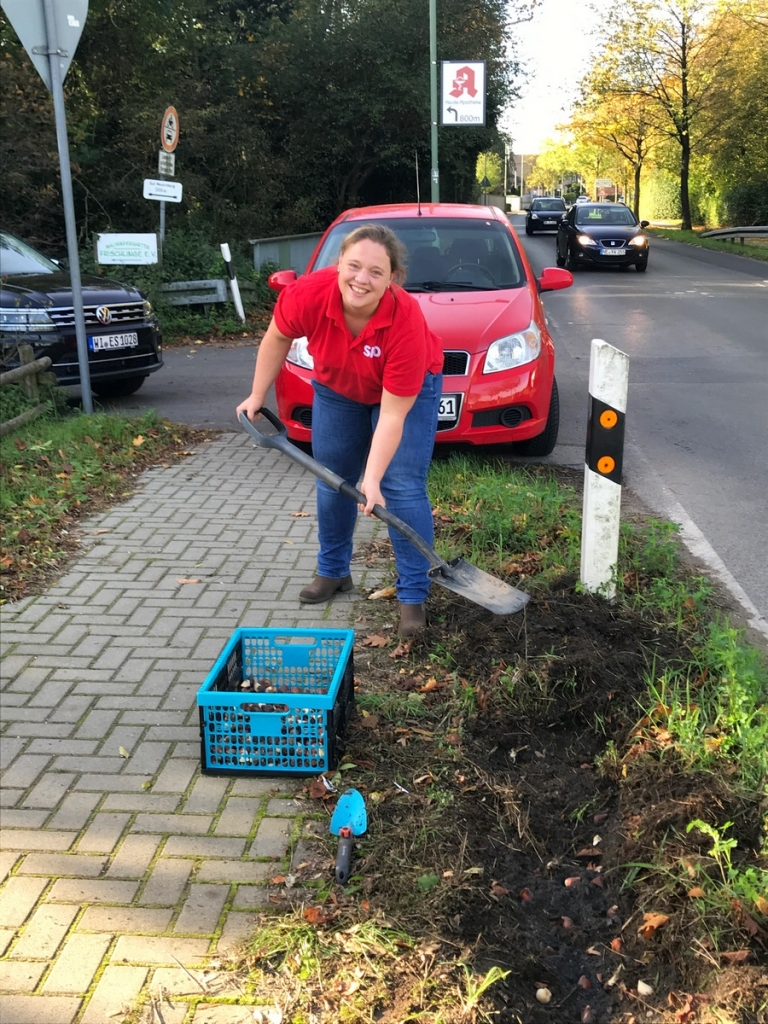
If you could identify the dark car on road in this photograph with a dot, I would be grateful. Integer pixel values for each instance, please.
(602, 235)
(544, 215)
(37, 308)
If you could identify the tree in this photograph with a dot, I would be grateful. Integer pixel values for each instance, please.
(671, 58)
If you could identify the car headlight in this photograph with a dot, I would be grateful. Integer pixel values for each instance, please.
(534, 216)
(298, 354)
(25, 320)
(513, 350)
(147, 309)
(585, 240)
(638, 240)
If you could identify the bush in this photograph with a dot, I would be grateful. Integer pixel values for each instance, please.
(660, 197)
(747, 203)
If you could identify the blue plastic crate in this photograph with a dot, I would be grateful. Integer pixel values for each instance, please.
(277, 701)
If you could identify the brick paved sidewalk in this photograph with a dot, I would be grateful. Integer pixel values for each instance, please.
(118, 873)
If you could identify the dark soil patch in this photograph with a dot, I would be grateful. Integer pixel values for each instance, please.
(526, 803)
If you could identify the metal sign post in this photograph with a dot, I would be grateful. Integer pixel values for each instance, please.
(435, 175)
(37, 24)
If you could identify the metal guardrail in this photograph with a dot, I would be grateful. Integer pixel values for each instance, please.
(754, 231)
(201, 293)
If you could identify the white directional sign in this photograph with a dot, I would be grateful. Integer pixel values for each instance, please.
(603, 183)
(28, 18)
(165, 191)
(166, 163)
(462, 99)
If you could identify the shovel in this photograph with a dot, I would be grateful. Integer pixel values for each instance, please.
(456, 575)
(348, 820)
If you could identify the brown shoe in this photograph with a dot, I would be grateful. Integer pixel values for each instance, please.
(322, 588)
(413, 619)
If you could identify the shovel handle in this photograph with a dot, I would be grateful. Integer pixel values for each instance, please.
(279, 439)
(344, 859)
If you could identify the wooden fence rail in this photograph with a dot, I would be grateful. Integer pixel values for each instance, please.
(27, 372)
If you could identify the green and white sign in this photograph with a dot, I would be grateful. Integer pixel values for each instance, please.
(126, 250)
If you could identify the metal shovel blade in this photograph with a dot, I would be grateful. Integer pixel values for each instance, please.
(480, 587)
(459, 576)
(350, 813)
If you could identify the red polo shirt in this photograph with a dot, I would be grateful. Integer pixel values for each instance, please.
(395, 350)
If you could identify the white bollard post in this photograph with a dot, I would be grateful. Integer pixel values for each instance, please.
(233, 281)
(608, 384)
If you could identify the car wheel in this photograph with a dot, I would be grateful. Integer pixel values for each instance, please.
(558, 258)
(545, 442)
(570, 261)
(118, 388)
(641, 267)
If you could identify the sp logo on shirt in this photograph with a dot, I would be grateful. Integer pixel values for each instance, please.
(372, 351)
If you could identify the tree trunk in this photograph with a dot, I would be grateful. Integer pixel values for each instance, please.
(685, 167)
(636, 203)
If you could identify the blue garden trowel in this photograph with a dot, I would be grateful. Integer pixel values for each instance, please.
(348, 820)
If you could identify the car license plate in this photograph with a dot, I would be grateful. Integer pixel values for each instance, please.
(449, 406)
(613, 252)
(106, 342)
(549, 222)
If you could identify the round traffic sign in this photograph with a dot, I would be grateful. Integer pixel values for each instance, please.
(169, 130)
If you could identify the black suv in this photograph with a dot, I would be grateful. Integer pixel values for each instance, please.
(36, 307)
(544, 215)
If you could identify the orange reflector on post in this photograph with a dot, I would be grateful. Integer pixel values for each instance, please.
(605, 439)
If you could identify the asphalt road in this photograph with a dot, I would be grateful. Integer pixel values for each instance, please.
(695, 327)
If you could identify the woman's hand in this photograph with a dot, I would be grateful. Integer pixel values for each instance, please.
(250, 407)
(372, 491)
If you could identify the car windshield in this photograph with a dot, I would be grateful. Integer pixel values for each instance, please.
(16, 257)
(445, 253)
(600, 215)
(548, 204)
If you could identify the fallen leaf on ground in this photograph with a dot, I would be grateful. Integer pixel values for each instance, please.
(98, 533)
(735, 956)
(696, 893)
(651, 923)
(123, 752)
(187, 581)
(375, 641)
(300, 515)
(138, 441)
(319, 915)
(385, 592)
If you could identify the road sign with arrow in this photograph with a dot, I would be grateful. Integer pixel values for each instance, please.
(463, 93)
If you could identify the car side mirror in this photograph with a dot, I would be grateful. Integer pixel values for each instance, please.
(281, 279)
(553, 279)
(644, 223)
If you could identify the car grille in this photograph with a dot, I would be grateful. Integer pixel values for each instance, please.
(121, 313)
(613, 243)
(455, 364)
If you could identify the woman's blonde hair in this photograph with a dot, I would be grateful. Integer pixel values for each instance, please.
(397, 252)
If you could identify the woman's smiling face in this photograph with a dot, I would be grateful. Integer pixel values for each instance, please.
(365, 274)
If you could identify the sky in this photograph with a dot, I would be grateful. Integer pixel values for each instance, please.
(555, 47)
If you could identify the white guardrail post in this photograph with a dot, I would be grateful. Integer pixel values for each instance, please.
(233, 281)
(608, 382)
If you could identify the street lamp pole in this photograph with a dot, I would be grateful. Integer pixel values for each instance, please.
(435, 173)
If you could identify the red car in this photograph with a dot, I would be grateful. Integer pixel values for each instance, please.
(479, 295)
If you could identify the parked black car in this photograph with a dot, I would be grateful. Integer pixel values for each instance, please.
(544, 215)
(602, 235)
(36, 307)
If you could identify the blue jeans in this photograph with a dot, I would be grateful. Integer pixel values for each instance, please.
(341, 436)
